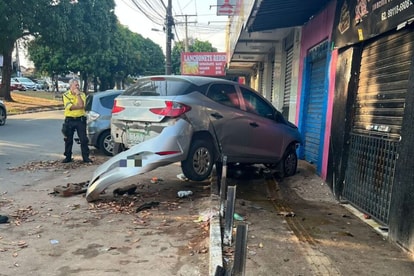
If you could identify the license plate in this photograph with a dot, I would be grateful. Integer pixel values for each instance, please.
(135, 137)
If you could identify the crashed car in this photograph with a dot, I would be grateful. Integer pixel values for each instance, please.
(196, 121)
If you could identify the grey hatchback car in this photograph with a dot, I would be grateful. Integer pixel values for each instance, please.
(194, 120)
(98, 109)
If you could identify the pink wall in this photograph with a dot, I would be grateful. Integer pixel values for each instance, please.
(315, 31)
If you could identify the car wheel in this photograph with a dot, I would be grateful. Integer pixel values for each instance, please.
(105, 143)
(200, 161)
(290, 161)
(2, 116)
(118, 147)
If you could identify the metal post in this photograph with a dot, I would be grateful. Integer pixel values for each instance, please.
(229, 214)
(223, 185)
(240, 252)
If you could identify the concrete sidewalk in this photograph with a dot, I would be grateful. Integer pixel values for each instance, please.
(296, 227)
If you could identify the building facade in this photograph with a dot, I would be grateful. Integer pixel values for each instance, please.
(342, 71)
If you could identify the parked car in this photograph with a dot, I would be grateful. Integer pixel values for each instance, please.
(63, 86)
(194, 120)
(26, 83)
(42, 85)
(98, 109)
(3, 113)
(14, 86)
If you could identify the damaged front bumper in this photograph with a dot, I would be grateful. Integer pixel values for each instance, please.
(169, 147)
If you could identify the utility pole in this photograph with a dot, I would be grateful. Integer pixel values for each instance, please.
(186, 30)
(169, 21)
(17, 59)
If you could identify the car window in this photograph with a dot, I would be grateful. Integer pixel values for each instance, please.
(159, 86)
(108, 101)
(224, 94)
(255, 104)
(24, 80)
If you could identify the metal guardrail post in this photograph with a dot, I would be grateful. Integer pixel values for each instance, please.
(240, 252)
(229, 213)
(223, 185)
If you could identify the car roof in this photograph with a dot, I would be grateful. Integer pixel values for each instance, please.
(106, 92)
(196, 80)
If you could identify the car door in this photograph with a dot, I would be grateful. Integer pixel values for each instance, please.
(228, 120)
(266, 137)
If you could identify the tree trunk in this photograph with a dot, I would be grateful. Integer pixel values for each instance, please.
(6, 74)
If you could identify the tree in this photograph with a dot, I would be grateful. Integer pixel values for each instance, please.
(196, 46)
(78, 33)
(18, 18)
(124, 53)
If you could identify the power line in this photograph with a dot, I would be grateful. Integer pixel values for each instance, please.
(151, 10)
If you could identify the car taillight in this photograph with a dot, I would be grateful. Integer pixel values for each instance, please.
(116, 108)
(171, 109)
(92, 115)
(167, 152)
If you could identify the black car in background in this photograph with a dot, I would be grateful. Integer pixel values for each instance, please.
(3, 113)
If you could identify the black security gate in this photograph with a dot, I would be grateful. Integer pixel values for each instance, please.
(377, 117)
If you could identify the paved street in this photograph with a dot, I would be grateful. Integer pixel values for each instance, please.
(29, 137)
(295, 227)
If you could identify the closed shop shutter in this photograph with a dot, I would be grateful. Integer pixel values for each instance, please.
(314, 104)
(262, 78)
(288, 82)
(272, 90)
(378, 112)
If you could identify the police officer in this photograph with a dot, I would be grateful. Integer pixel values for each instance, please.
(75, 119)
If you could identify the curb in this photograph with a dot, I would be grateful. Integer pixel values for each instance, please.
(216, 258)
(372, 223)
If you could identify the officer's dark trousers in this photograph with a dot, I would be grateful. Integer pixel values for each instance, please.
(78, 124)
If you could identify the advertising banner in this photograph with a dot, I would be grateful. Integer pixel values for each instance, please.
(359, 20)
(203, 64)
(226, 7)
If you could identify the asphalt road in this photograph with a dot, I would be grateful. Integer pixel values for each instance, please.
(26, 138)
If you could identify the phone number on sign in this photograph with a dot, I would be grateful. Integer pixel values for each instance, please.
(396, 10)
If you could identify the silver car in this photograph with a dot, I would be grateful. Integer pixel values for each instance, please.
(196, 121)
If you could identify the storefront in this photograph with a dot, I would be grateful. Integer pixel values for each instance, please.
(375, 45)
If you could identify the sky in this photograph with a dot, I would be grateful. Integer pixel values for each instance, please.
(202, 21)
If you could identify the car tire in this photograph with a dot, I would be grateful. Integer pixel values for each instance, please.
(290, 162)
(199, 162)
(2, 117)
(118, 148)
(105, 143)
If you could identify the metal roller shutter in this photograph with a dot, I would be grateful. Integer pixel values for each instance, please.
(314, 104)
(377, 118)
(288, 82)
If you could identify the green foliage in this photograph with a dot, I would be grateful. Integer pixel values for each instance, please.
(18, 18)
(85, 37)
(196, 46)
(76, 36)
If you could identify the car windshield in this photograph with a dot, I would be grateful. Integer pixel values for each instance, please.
(159, 86)
(24, 80)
